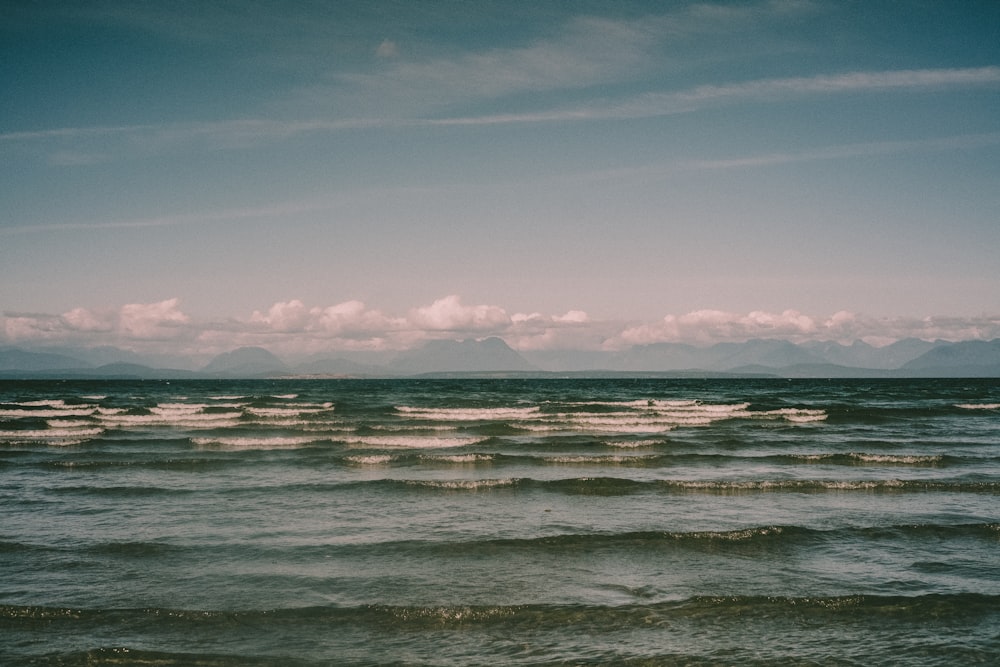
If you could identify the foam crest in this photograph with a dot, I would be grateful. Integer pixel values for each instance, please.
(75, 411)
(978, 406)
(632, 444)
(410, 442)
(461, 458)
(470, 414)
(253, 443)
(422, 428)
(463, 484)
(290, 411)
(640, 403)
(62, 436)
(582, 459)
(184, 419)
(371, 460)
(896, 458)
(170, 409)
(68, 423)
(798, 415)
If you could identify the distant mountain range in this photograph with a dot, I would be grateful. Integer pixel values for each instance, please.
(493, 357)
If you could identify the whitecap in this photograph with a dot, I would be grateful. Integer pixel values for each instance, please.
(632, 444)
(82, 411)
(464, 484)
(253, 443)
(410, 442)
(461, 458)
(469, 414)
(896, 458)
(371, 460)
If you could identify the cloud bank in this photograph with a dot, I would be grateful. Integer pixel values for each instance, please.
(294, 328)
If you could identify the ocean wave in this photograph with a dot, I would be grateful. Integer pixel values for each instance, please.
(955, 606)
(622, 486)
(45, 402)
(174, 419)
(371, 459)
(74, 411)
(62, 437)
(469, 414)
(632, 444)
(861, 458)
(460, 458)
(275, 442)
(462, 484)
(978, 406)
(294, 411)
(409, 442)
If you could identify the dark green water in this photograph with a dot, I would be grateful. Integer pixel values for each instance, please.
(508, 522)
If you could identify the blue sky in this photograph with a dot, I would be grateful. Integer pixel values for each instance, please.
(311, 176)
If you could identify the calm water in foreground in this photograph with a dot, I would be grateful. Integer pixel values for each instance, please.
(536, 522)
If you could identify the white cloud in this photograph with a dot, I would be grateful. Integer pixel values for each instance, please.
(152, 320)
(353, 319)
(449, 314)
(295, 328)
(289, 316)
(160, 321)
(82, 319)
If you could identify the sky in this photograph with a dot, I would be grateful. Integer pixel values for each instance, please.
(313, 176)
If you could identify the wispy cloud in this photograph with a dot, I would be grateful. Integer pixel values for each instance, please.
(770, 91)
(276, 211)
(86, 145)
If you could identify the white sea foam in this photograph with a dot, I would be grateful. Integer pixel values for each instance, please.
(183, 419)
(50, 402)
(410, 442)
(68, 423)
(464, 484)
(979, 406)
(168, 409)
(632, 444)
(461, 458)
(371, 460)
(63, 436)
(896, 458)
(286, 397)
(470, 414)
(289, 411)
(641, 404)
(798, 415)
(253, 443)
(583, 459)
(422, 428)
(77, 411)
(813, 457)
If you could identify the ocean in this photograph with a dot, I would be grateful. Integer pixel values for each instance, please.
(500, 522)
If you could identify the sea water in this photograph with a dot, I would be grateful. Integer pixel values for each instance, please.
(514, 522)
